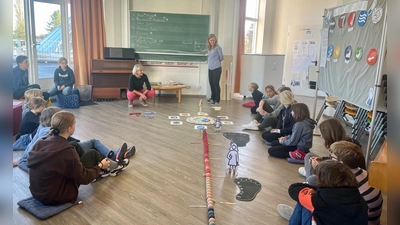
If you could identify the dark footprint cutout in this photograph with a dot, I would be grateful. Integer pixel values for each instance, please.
(249, 188)
(241, 139)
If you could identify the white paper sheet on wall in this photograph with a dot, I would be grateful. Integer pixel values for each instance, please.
(324, 46)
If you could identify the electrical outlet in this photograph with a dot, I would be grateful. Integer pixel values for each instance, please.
(188, 87)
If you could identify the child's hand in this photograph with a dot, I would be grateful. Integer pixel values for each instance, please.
(106, 163)
(314, 161)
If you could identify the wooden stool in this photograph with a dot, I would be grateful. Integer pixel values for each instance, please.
(330, 101)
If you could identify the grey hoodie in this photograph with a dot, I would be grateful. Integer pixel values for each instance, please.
(302, 135)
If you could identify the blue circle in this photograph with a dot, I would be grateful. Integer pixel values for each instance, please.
(330, 51)
(362, 18)
(347, 53)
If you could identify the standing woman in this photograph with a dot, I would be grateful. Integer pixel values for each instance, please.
(135, 86)
(215, 57)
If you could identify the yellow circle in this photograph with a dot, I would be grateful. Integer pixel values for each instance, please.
(336, 52)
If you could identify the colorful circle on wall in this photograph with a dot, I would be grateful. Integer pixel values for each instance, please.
(336, 52)
(372, 56)
(377, 14)
(332, 23)
(358, 54)
(330, 51)
(362, 18)
(347, 53)
(373, 5)
(342, 20)
(350, 19)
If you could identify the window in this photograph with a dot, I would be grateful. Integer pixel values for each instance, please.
(250, 26)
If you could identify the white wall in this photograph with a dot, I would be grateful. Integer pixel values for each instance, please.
(280, 15)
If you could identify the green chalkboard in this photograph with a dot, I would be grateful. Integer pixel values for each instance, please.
(169, 37)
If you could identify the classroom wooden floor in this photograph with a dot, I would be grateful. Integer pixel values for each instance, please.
(164, 183)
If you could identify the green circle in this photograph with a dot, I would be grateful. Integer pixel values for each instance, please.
(358, 54)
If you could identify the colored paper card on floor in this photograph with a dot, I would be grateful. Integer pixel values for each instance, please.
(173, 117)
(176, 122)
(223, 117)
(202, 114)
(134, 114)
(149, 114)
(217, 108)
(227, 122)
(200, 127)
(184, 114)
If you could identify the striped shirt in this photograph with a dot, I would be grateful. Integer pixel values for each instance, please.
(215, 57)
(371, 195)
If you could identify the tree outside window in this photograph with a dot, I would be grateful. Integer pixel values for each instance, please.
(250, 26)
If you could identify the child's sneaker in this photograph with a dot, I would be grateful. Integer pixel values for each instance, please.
(209, 100)
(285, 211)
(124, 163)
(302, 171)
(143, 103)
(121, 152)
(216, 103)
(130, 152)
(298, 154)
(130, 105)
(267, 143)
(103, 173)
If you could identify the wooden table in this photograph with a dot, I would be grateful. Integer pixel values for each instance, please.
(177, 88)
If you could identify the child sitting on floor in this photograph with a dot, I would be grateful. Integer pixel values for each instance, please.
(55, 167)
(299, 142)
(335, 200)
(257, 96)
(31, 119)
(268, 108)
(285, 120)
(30, 94)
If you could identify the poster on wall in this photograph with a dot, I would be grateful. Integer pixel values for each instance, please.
(304, 54)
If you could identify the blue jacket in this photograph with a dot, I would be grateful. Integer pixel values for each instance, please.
(41, 132)
(285, 121)
(302, 135)
(20, 78)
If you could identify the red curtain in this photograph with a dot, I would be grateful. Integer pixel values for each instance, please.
(240, 45)
(88, 37)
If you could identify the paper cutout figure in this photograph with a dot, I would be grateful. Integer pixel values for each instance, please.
(200, 127)
(173, 117)
(233, 158)
(217, 124)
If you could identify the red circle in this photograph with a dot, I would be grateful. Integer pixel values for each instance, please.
(350, 19)
(372, 56)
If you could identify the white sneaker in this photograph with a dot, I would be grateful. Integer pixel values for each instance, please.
(285, 211)
(143, 103)
(130, 105)
(250, 126)
(302, 171)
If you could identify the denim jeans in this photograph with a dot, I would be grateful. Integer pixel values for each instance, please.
(96, 144)
(300, 216)
(66, 91)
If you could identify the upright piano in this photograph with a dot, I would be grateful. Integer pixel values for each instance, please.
(110, 77)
